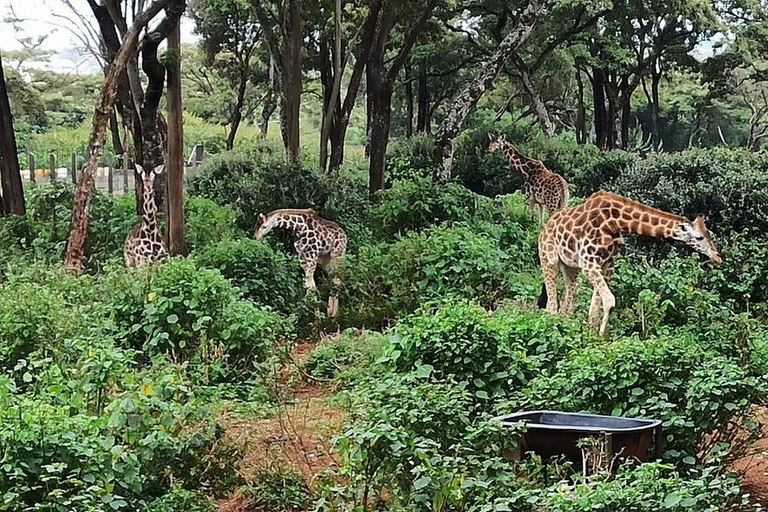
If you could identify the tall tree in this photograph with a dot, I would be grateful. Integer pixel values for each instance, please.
(449, 129)
(12, 197)
(75, 252)
(230, 41)
(383, 67)
(285, 48)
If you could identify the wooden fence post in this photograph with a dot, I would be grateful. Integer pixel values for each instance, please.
(125, 172)
(110, 173)
(31, 164)
(74, 168)
(52, 167)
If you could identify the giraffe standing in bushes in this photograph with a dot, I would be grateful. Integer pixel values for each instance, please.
(318, 242)
(545, 191)
(145, 243)
(588, 238)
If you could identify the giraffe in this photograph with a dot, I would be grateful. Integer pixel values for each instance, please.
(545, 191)
(318, 242)
(144, 243)
(588, 238)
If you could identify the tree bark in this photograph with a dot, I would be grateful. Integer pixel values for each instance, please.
(73, 260)
(422, 115)
(333, 97)
(581, 112)
(270, 101)
(237, 112)
(380, 92)
(468, 98)
(176, 146)
(537, 103)
(10, 174)
(293, 79)
(408, 100)
(601, 115)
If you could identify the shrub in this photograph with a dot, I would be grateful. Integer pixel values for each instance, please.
(641, 488)
(279, 490)
(186, 311)
(411, 158)
(419, 204)
(264, 275)
(344, 358)
(489, 354)
(383, 281)
(208, 223)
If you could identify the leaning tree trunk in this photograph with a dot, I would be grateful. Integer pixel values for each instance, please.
(78, 233)
(537, 103)
(237, 113)
(449, 129)
(10, 175)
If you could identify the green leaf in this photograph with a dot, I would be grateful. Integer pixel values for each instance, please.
(172, 319)
(672, 499)
(421, 482)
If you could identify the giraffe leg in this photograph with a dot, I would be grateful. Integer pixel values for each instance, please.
(550, 282)
(309, 274)
(607, 298)
(595, 304)
(570, 276)
(333, 270)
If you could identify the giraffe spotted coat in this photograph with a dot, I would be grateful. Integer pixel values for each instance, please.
(589, 237)
(545, 191)
(144, 243)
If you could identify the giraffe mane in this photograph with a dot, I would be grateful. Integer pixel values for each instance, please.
(288, 211)
(610, 196)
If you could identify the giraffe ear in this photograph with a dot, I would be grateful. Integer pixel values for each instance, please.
(160, 169)
(262, 219)
(140, 169)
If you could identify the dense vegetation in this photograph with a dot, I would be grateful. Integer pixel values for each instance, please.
(144, 389)
(114, 382)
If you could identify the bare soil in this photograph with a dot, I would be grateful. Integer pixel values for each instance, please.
(754, 467)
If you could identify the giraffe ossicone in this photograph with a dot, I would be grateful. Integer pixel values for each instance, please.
(545, 191)
(318, 242)
(145, 243)
(588, 238)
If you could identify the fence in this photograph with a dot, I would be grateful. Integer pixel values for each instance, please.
(110, 177)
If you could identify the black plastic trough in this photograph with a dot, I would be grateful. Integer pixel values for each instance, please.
(552, 433)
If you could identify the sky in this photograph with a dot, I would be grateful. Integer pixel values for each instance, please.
(40, 16)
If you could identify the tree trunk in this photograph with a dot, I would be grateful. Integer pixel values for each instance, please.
(292, 79)
(81, 207)
(601, 114)
(422, 116)
(581, 113)
(114, 128)
(270, 102)
(176, 146)
(537, 104)
(449, 129)
(332, 87)
(655, 136)
(237, 113)
(408, 100)
(10, 174)
(380, 92)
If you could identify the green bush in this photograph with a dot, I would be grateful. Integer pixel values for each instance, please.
(383, 281)
(344, 358)
(489, 354)
(279, 490)
(639, 488)
(183, 310)
(694, 392)
(411, 158)
(208, 223)
(422, 446)
(266, 276)
(419, 204)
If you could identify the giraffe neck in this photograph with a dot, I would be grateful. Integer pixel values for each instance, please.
(522, 163)
(149, 217)
(630, 217)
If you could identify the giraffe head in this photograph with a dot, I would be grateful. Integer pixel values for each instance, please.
(696, 235)
(148, 178)
(497, 142)
(264, 225)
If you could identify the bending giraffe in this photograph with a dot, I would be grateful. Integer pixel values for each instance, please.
(588, 238)
(145, 243)
(545, 191)
(318, 242)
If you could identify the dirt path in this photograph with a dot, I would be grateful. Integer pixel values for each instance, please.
(754, 467)
(297, 437)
